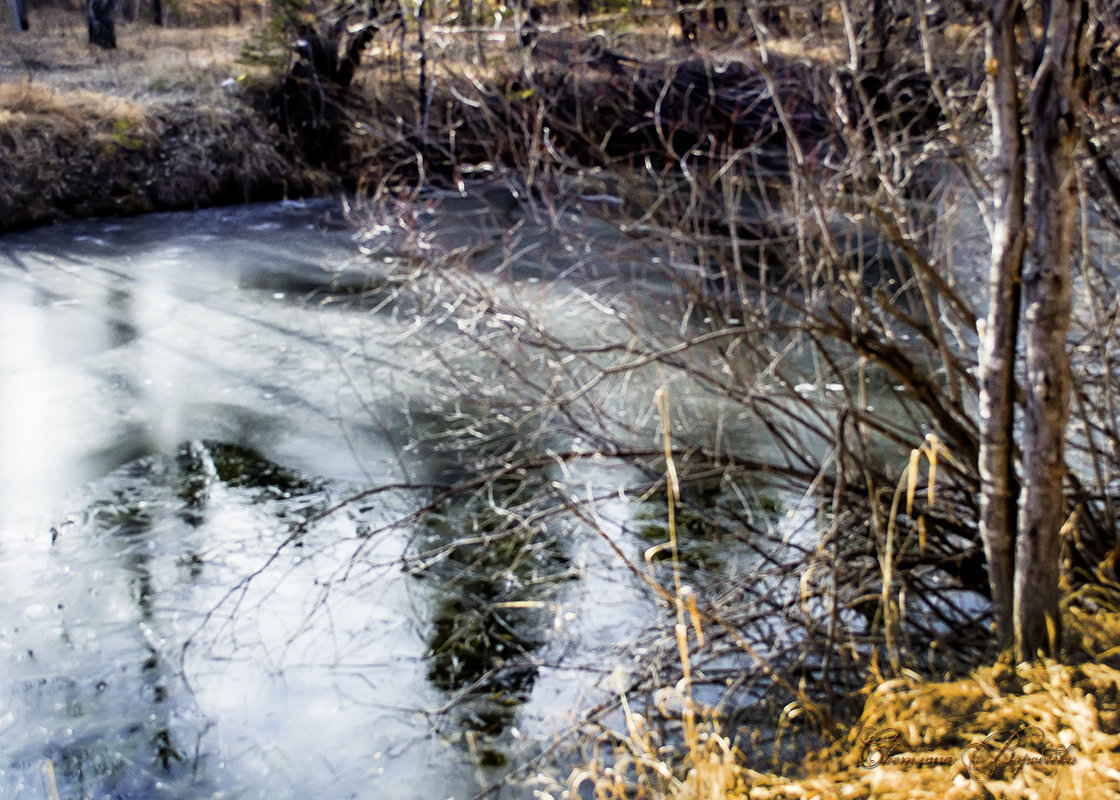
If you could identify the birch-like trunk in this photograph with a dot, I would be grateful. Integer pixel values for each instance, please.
(998, 486)
(1054, 124)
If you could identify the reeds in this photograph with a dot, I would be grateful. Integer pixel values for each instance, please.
(638, 764)
(1027, 733)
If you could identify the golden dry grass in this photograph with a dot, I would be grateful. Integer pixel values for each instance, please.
(951, 735)
(958, 728)
(1037, 731)
(32, 111)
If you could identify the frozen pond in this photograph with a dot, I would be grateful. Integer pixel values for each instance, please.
(191, 608)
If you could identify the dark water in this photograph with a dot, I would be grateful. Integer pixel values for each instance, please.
(189, 607)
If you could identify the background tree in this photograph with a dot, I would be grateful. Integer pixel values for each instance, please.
(18, 9)
(102, 27)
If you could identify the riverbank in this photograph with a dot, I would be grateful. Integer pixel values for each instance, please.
(175, 118)
(170, 120)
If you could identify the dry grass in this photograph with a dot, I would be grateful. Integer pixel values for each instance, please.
(980, 737)
(29, 110)
(1065, 707)
(1036, 731)
(951, 740)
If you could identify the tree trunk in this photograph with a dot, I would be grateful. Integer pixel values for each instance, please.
(102, 27)
(1054, 112)
(19, 14)
(998, 485)
(1021, 529)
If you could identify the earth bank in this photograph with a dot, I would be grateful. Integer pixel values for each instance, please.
(170, 120)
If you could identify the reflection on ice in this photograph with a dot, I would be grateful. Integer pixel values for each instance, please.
(36, 455)
(192, 623)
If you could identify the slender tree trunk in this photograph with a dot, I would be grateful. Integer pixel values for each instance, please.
(18, 9)
(1054, 112)
(998, 486)
(422, 106)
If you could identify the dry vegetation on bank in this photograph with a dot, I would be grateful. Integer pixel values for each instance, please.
(922, 740)
(1030, 732)
(163, 122)
(203, 126)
